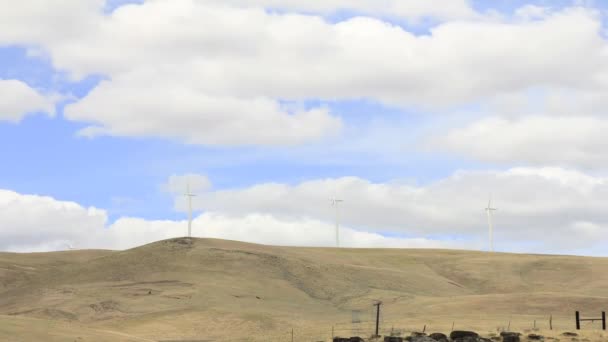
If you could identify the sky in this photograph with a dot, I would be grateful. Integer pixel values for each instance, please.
(413, 114)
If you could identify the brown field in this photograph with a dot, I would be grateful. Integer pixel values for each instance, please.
(214, 290)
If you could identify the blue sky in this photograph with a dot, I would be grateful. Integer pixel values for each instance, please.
(428, 111)
(52, 160)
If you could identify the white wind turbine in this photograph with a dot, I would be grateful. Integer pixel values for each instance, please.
(189, 195)
(335, 202)
(489, 210)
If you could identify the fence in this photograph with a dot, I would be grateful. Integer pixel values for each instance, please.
(365, 327)
(579, 320)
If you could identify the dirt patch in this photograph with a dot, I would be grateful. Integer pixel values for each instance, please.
(105, 306)
(48, 313)
(159, 282)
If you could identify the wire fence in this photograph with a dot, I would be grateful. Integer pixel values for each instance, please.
(485, 326)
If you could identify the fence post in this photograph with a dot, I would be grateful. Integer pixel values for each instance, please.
(377, 318)
(578, 321)
(603, 320)
(551, 322)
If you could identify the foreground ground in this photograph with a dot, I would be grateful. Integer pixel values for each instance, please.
(215, 290)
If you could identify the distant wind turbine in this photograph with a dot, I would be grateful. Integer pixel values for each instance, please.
(189, 195)
(70, 246)
(489, 211)
(335, 202)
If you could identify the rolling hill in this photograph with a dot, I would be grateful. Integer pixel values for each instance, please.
(215, 290)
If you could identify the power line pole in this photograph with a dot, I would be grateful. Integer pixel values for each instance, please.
(377, 305)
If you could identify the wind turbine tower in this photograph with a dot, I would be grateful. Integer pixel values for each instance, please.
(489, 210)
(335, 202)
(189, 195)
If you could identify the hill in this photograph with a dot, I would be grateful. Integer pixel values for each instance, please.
(205, 289)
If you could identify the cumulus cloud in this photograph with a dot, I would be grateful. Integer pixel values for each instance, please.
(533, 140)
(32, 223)
(218, 73)
(272, 55)
(543, 126)
(38, 223)
(178, 184)
(531, 12)
(408, 9)
(17, 99)
(266, 229)
(190, 115)
(542, 206)
(539, 210)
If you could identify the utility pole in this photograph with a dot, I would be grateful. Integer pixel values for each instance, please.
(377, 305)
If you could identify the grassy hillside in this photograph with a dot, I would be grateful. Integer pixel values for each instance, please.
(209, 289)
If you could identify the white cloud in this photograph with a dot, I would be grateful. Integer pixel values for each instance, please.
(216, 73)
(541, 126)
(544, 206)
(184, 43)
(409, 9)
(531, 12)
(568, 178)
(39, 223)
(178, 184)
(184, 113)
(33, 22)
(539, 210)
(17, 99)
(264, 229)
(533, 140)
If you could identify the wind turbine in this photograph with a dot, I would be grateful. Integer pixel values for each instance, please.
(489, 211)
(70, 246)
(189, 195)
(335, 202)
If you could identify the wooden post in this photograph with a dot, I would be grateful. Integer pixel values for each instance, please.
(452, 326)
(578, 321)
(551, 322)
(509, 327)
(378, 317)
(603, 320)
(424, 329)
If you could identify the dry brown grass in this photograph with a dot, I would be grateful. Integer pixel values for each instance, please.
(223, 290)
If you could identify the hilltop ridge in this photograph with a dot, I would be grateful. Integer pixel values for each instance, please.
(167, 288)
